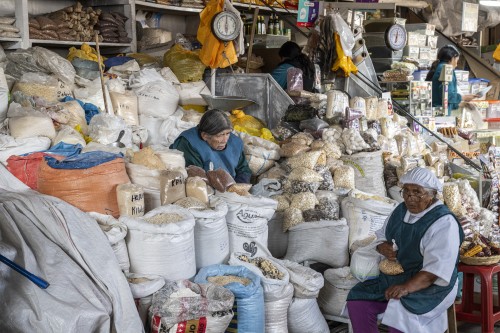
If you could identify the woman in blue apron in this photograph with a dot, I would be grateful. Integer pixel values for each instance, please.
(212, 142)
(427, 237)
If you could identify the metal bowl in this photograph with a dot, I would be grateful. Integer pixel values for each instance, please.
(227, 103)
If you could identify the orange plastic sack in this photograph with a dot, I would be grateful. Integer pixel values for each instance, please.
(496, 54)
(25, 168)
(91, 190)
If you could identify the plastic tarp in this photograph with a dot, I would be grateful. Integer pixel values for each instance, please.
(65, 247)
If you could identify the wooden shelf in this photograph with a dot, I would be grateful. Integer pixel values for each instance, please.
(166, 8)
(251, 6)
(71, 42)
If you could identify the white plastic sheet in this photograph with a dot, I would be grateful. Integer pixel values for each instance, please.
(64, 246)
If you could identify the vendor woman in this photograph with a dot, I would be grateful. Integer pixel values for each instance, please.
(448, 54)
(424, 237)
(212, 141)
(292, 57)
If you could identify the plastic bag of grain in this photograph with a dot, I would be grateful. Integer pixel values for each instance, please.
(130, 200)
(211, 237)
(162, 243)
(172, 186)
(105, 128)
(85, 181)
(38, 85)
(182, 305)
(278, 292)
(172, 158)
(27, 122)
(317, 241)
(249, 299)
(247, 220)
(365, 213)
(332, 297)
(115, 232)
(364, 262)
(368, 171)
(125, 106)
(77, 115)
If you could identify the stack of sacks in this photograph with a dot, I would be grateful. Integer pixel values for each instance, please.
(261, 154)
(190, 93)
(157, 101)
(145, 168)
(111, 27)
(332, 297)
(7, 27)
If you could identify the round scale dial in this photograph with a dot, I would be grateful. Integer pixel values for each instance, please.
(395, 37)
(226, 26)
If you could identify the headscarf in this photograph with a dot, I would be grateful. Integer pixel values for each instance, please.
(422, 177)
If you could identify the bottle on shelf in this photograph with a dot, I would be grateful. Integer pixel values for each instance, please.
(276, 30)
(263, 23)
(270, 26)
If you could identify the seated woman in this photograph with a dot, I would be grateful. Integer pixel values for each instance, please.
(212, 142)
(291, 56)
(428, 238)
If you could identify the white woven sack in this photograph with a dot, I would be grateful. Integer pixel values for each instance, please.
(37, 124)
(211, 237)
(323, 241)
(152, 125)
(10, 146)
(365, 214)
(332, 297)
(306, 281)
(277, 241)
(190, 93)
(171, 128)
(115, 232)
(277, 311)
(142, 175)
(247, 220)
(157, 99)
(162, 249)
(368, 171)
(304, 315)
(145, 286)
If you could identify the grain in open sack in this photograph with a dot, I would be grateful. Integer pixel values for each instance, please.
(343, 177)
(283, 202)
(305, 175)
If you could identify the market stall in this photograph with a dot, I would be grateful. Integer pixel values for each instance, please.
(148, 240)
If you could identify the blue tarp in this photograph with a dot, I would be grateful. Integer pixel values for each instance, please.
(82, 161)
(89, 108)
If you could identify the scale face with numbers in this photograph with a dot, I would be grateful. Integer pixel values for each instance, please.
(226, 26)
(395, 37)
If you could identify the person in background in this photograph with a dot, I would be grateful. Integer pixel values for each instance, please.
(428, 238)
(448, 54)
(212, 141)
(291, 56)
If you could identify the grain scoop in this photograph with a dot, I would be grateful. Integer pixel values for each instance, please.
(118, 143)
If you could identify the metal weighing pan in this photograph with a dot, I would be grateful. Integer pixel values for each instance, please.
(227, 103)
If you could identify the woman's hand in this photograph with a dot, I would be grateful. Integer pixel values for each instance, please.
(396, 291)
(387, 250)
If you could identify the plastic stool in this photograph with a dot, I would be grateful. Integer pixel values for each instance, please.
(489, 314)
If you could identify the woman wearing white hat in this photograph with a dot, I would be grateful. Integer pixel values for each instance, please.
(428, 237)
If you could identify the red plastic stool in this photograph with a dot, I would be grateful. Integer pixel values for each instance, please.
(489, 314)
